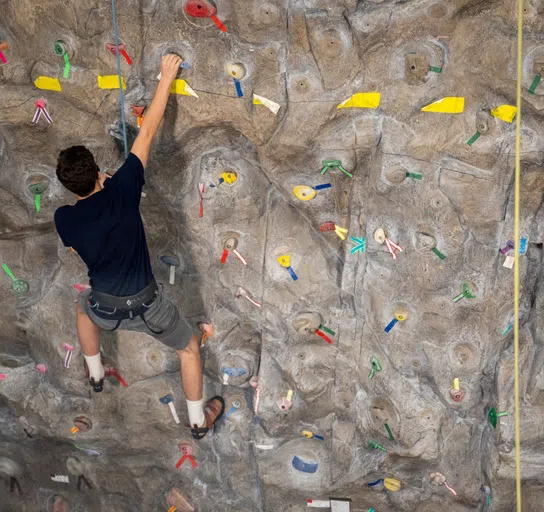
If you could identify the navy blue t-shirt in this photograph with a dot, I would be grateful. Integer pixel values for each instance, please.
(107, 232)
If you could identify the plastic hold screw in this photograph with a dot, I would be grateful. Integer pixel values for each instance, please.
(305, 467)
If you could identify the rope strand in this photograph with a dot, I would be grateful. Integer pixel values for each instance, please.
(121, 92)
(516, 255)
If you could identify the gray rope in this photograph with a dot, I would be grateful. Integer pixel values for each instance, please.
(121, 92)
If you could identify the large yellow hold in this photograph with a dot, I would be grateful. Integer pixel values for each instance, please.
(505, 112)
(284, 260)
(392, 484)
(304, 192)
(47, 83)
(362, 100)
(183, 88)
(110, 82)
(448, 105)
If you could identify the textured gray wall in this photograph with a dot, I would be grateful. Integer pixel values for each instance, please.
(308, 56)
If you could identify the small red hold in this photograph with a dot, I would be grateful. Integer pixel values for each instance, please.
(200, 8)
(204, 9)
(112, 49)
(328, 226)
(457, 395)
(137, 110)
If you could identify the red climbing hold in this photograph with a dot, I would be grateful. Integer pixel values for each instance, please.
(200, 8)
(204, 9)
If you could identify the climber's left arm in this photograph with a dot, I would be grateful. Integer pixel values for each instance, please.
(142, 145)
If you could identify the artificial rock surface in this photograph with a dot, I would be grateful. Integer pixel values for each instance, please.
(308, 56)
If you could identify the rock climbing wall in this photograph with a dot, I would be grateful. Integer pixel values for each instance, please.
(334, 178)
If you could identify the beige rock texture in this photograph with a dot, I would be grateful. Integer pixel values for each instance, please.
(307, 56)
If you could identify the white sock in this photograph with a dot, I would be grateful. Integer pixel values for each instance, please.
(196, 413)
(94, 363)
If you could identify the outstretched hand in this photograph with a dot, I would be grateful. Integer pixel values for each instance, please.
(170, 66)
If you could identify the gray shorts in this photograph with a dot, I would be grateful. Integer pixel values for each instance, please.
(162, 315)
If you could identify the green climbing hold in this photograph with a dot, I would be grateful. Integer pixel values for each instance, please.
(492, 417)
(435, 69)
(373, 445)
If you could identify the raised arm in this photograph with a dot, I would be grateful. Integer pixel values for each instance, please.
(153, 116)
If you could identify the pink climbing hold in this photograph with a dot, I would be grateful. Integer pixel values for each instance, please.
(81, 287)
(41, 368)
(3, 376)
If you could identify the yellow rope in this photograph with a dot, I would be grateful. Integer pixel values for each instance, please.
(516, 256)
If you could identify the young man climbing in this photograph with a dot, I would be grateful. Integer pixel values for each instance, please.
(105, 228)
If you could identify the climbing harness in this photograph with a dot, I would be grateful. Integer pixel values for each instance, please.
(111, 307)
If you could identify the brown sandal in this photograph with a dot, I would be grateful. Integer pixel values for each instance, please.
(213, 410)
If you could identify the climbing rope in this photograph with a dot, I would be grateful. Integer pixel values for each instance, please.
(121, 92)
(516, 255)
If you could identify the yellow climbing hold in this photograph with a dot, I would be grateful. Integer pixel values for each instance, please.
(48, 84)
(269, 104)
(505, 112)
(304, 193)
(182, 87)
(392, 484)
(362, 100)
(285, 260)
(449, 105)
(229, 177)
(110, 82)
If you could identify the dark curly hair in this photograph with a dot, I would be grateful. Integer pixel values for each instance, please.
(77, 170)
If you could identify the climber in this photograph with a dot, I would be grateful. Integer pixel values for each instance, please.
(105, 228)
